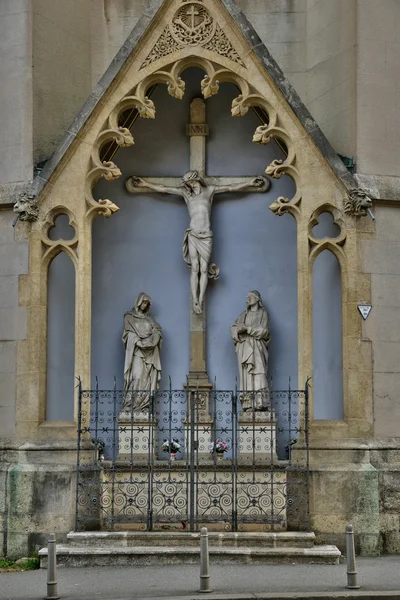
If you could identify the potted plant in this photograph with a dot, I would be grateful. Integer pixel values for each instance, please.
(219, 447)
(99, 444)
(171, 446)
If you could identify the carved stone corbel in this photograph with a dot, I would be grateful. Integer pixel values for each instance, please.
(26, 208)
(357, 203)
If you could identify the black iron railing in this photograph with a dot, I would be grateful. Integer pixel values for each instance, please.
(193, 457)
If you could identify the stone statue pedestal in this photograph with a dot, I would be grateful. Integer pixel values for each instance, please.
(199, 437)
(135, 435)
(257, 437)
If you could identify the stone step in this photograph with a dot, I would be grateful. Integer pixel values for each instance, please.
(128, 539)
(90, 556)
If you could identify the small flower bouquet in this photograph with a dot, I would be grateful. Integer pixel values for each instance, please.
(100, 445)
(218, 446)
(172, 447)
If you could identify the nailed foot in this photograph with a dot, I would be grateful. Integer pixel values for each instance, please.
(197, 308)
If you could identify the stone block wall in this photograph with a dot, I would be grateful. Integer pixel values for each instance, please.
(13, 319)
(13, 327)
(37, 490)
(378, 87)
(344, 488)
(16, 94)
(331, 70)
(61, 67)
(387, 462)
(381, 258)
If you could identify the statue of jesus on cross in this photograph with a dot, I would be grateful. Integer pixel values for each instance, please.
(197, 243)
(198, 191)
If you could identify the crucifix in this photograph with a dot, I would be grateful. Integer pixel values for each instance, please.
(198, 192)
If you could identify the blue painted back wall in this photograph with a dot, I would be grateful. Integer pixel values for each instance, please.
(139, 248)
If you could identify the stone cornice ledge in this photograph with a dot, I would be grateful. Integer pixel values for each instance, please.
(356, 444)
(380, 187)
(10, 192)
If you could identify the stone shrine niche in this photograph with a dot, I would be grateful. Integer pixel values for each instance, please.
(327, 337)
(326, 238)
(140, 247)
(60, 341)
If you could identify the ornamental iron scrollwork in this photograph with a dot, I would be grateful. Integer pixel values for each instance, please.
(134, 482)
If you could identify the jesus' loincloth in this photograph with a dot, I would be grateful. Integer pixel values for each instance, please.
(202, 243)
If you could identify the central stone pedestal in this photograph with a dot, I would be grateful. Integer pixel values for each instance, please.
(135, 435)
(199, 425)
(257, 436)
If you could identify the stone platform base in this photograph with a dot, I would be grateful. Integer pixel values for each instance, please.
(127, 548)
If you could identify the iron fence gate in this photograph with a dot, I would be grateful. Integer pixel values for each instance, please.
(235, 468)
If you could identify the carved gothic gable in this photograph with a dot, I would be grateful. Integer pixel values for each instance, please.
(214, 36)
(192, 25)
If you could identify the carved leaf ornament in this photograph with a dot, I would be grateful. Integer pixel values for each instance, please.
(248, 97)
(192, 26)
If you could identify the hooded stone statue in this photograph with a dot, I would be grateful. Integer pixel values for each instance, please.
(142, 339)
(250, 334)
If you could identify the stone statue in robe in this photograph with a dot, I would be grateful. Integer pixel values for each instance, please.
(251, 336)
(142, 339)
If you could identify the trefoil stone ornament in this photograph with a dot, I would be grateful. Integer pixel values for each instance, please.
(26, 208)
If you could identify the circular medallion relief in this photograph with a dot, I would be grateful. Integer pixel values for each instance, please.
(192, 25)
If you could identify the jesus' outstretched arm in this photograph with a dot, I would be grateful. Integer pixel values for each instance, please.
(135, 184)
(257, 184)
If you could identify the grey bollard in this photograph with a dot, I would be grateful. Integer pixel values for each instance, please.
(351, 559)
(204, 562)
(51, 569)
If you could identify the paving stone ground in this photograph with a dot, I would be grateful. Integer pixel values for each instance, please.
(123, 583)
